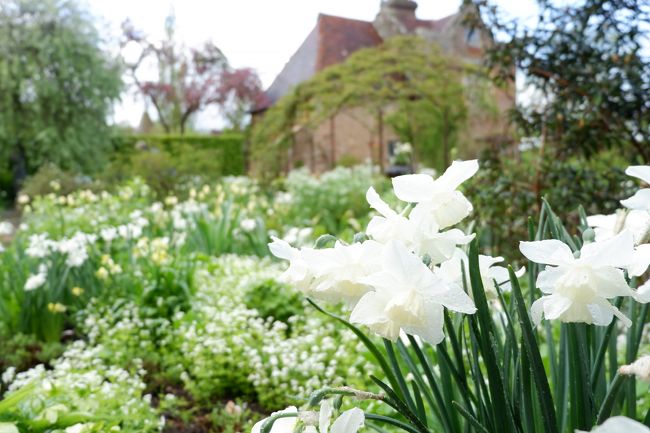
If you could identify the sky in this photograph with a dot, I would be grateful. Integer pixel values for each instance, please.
(261, 34)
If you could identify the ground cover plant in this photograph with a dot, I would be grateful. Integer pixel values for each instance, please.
(388, 315)
(171, 304)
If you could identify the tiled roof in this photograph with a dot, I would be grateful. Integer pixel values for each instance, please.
(331, 41)
(339, 37)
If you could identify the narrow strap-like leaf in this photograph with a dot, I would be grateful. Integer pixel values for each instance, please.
(391, 421)
(366, 341)
(394, 401)
(468, 416)
(610, 399)
(398, 375)
(535, 359)
(504, 422)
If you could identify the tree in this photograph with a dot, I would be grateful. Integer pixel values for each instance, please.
(590, 68)
(57, 87)
(405, 73)
(189, 80)
(241, 91)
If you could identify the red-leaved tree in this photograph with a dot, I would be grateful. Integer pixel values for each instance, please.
(180, 82)
(241, 91)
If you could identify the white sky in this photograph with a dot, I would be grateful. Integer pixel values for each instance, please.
(261, 34)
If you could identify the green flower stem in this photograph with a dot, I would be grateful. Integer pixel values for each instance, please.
(268, 424)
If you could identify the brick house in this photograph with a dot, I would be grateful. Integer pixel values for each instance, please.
(357, 134)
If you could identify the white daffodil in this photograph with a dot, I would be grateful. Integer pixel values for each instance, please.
(641, 199)
(36, 280)
(578, 289)
(281, 425)
(643, 293)
(349, 421)
(619, 424)
(437, 199)
(440, 246)
(339, 271)
(298, 274)
(607, 226)
(641, 260)
(419, 232)
(451, 270)
(390, 225)
(408, 296)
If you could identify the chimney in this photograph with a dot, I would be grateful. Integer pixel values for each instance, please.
(399, 8)
(395, 17)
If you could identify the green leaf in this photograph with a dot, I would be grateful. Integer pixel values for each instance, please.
(536, 364)
(503, 412)
(610, 399)
(366, 341)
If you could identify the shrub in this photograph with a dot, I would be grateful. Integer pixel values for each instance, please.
(227, 148)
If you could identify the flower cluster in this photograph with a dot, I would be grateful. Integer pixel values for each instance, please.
(578, 285)
(81, 383)
(392, 280)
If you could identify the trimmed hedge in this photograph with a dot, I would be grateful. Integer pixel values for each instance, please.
(229, 148)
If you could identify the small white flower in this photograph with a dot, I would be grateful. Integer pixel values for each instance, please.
(578, 289)
(248, 224)
(6, 228)
(39, 246)
(35, 281)
(108, 234)
(619, 424)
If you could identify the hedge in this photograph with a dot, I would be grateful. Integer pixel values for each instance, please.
(228, 147)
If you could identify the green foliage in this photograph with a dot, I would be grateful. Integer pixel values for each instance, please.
(22, 351)
(168, 162)
(497, 372)
(406, 72)
(506, 190)
(51, 179)
(332, 202)
(56, 87)
(274, 300)
(79, 389)
(590, 67)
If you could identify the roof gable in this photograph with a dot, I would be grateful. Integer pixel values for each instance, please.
(339, 37)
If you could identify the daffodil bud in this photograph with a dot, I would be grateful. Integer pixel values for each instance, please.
(323, 240)
(589, 236)
(360, 238)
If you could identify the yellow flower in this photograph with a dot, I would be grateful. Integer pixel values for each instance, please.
(102, 273)
(77, 291)
(56, 307)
